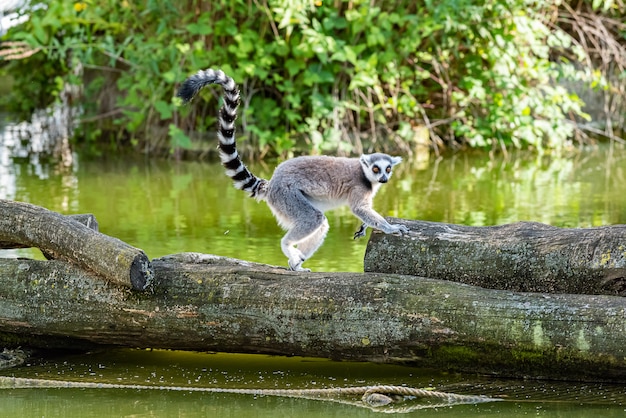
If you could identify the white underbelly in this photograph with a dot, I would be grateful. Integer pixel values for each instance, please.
(327, 204)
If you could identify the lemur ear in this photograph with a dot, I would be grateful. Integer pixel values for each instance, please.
(365, 160)
(396, 160)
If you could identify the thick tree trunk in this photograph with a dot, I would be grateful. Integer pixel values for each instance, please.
(203, 302)
(524, 256)
(62, 237)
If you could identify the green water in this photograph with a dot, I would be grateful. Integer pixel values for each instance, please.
(167, 368)
(167, 207)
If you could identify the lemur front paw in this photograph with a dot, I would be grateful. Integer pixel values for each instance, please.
(402, 229)
(361, 232)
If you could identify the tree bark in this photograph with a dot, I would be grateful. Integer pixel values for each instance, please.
(202, 302)
(61, 237)
(524, 256)
(86, 219)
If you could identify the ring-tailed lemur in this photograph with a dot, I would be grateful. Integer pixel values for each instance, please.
(302, 188)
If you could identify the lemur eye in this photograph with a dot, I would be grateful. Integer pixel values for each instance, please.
(375, 169)
(388, 169)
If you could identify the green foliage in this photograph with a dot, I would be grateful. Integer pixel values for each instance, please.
(484, 73)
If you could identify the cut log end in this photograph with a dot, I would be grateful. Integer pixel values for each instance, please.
(141, 273)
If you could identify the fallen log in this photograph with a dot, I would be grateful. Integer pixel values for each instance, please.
(61, 237)
(524, 256)
(86, 219)
(207, 303)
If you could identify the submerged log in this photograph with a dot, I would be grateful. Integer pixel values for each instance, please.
(524, 256)
(202, 302)
(61, 237)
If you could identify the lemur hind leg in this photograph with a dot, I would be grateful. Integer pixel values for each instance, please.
(306, 225)
(304, 238)
(295, 258)
(315, 240)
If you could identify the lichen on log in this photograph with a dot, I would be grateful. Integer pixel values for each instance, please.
(524, 256)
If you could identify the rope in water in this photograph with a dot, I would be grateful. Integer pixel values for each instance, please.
(373, 396)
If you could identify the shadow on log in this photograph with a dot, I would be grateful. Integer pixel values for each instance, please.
(73, 238)
(208, 303)
(524, 256)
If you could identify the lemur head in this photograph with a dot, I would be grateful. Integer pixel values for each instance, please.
(378, 167)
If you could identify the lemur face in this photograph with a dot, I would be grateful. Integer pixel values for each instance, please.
(378, 167)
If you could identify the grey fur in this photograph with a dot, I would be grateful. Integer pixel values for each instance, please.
(302, 188)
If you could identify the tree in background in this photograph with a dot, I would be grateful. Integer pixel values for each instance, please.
(340, 76)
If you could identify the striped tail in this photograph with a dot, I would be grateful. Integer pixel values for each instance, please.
(235, 168)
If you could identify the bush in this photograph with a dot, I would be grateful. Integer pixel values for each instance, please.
(481, 73)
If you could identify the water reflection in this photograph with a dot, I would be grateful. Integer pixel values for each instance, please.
(27, 150)
(7, 178)
(581, 191)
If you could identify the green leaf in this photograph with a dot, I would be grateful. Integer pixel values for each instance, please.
(178, 139)
(199, 29)
(39, 31)
(164, 109)
(169, 76)
(294, 66)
